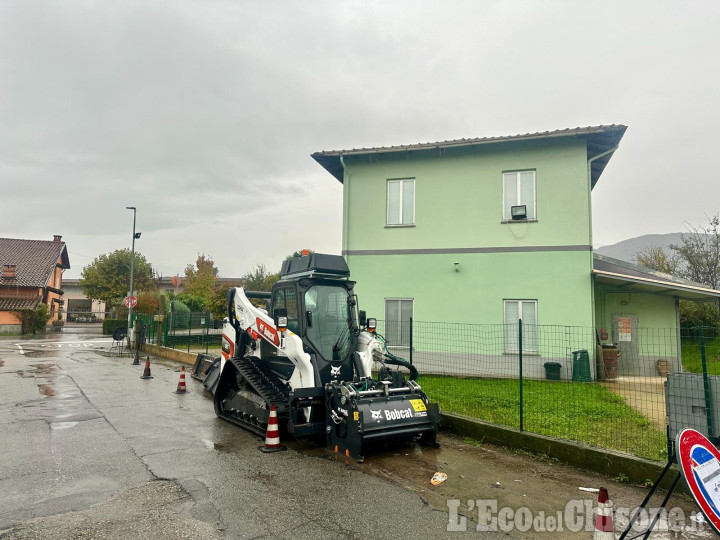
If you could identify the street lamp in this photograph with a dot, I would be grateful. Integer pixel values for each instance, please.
(132, 267)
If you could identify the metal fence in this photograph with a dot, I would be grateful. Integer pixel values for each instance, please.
(556, 380)
(550, 380)
(193, 332)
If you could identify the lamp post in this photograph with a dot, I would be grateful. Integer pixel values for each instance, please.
(132, 267)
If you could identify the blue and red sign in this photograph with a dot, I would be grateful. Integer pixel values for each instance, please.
(699, 462)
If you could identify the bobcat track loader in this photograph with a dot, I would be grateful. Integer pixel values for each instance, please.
(311, 353)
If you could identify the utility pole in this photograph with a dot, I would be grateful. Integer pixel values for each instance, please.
(132, 268)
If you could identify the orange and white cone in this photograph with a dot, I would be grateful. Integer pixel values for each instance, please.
(181, 388)
(146, 373)
(604, 527)
(272, 435)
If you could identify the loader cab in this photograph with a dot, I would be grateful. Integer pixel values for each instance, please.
(316, 296)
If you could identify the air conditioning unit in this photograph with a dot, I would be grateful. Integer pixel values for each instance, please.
(518, 212)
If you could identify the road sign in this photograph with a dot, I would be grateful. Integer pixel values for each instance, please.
(176, 281)
(128, 300)
(699, 462)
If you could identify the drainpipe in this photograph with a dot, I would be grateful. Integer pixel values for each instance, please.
(590, 232)
(346, 207)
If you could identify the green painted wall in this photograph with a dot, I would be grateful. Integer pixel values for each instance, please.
(559, 281)
(458, 204)
(458, 197)
(657, 332)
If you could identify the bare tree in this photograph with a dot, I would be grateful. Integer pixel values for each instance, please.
(699, 251)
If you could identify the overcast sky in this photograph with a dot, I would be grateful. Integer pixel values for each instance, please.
(203, 115)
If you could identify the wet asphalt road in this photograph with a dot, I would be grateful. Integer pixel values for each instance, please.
(89, 450)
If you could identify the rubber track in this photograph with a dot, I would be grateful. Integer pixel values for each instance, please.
(264, 381)
(266, 384)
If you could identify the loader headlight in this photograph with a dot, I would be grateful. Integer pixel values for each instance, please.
(371, 324)
(282, 324)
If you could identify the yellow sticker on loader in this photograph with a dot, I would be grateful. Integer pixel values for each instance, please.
(356, 416)
(418, 405)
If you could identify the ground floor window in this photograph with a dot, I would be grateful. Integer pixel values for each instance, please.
(525, 310)
(398, 312)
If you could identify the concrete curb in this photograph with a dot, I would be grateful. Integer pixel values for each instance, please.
(170, 354)
(606, 462)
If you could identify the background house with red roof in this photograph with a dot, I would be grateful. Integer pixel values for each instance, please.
(31, 275)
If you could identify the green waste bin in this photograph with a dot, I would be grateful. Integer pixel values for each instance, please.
(552, 371)
(581, 366)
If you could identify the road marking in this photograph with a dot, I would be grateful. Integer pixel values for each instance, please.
(20, 347)
(59, 344)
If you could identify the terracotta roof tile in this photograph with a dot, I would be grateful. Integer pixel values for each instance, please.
(18, 304)
(34, 260)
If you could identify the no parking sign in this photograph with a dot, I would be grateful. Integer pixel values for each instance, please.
(699, 462)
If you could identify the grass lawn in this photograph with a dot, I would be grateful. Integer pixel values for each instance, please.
(691, 358)
(584, 412)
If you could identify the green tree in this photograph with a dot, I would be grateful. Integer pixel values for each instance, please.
(201, 278)
(107, 278)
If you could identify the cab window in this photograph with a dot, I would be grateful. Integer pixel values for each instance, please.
(287, 298)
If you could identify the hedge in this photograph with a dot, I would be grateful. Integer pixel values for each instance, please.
(109, 325)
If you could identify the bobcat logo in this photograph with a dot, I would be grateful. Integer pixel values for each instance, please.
(335, 372)
(376, 415)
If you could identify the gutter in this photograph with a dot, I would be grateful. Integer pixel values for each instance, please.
(346, 208)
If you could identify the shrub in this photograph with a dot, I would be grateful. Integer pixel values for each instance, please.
(109, 325)
(181, 314)
(35, 320)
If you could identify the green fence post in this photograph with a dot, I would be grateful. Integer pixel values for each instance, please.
(411, 339)
(207, 320)
(520, 349)
(189, 331)
(706, 384)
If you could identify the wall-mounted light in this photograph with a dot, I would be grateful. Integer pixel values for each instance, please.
(518, 212)
(457, 266)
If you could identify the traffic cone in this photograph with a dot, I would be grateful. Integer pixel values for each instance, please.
(604, 528)
(272, 435)
(146, 373)
(181, 389)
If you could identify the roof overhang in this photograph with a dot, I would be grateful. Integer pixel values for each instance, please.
(632, 278)
(601, 141)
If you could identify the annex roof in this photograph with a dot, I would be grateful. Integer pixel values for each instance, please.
(19, 304)
(600, 139)
(34, 260)
(634, 278)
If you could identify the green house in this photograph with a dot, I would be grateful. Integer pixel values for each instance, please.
(490, 231)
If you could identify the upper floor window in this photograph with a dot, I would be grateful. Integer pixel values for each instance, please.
(519, 190)
(401, 201)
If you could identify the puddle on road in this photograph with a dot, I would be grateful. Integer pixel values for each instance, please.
(62, 425)
(39, 354)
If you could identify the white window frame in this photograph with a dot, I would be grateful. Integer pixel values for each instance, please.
(401, 181)
(412, 316)
(518, 192)
(520, 301)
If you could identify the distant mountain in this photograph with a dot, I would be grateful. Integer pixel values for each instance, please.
(627, 249)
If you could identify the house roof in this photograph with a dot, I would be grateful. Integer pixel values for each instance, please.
(632, 277)
(19, 303)
(600, 139)
(35, 260)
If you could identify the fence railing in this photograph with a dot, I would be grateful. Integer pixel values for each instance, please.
(558, 381)
(194, 332)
